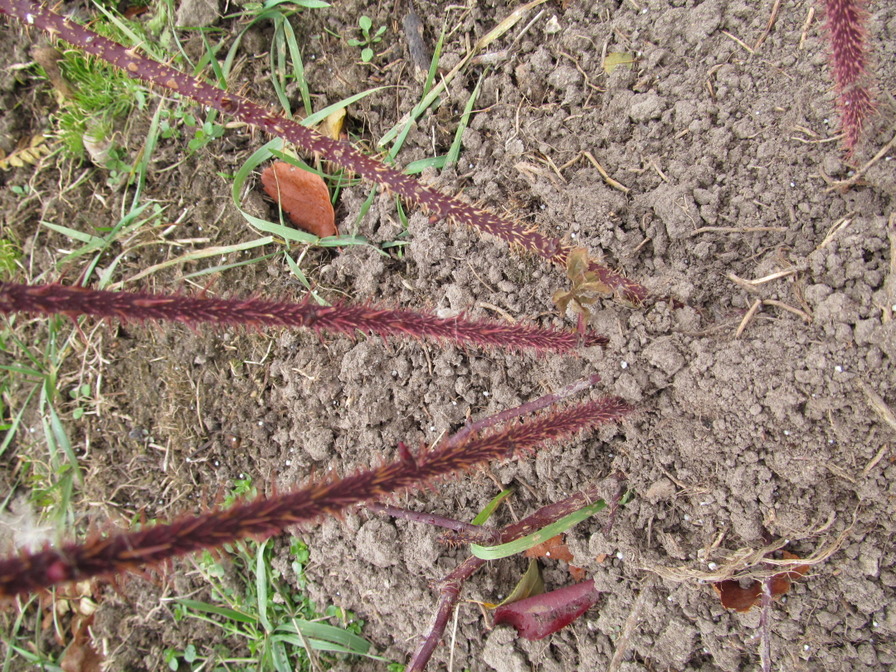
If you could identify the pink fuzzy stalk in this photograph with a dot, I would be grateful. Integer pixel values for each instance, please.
(344, 319)
(263, 518)
(344, 155)
(849, 60)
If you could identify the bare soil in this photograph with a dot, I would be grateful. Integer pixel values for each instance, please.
(739, 441)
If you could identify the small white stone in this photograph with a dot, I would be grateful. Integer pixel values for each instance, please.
(623, 364)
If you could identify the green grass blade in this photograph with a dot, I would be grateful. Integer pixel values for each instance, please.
(141, 168)
(320, 115)
(492, 506)
(261, 586)
(330, 633)
(289, 36)
(417, 167)
(530, 540)
(62, 441)
(434, 63)
(454, 151)
(14, 425)
(226, 612)
(74, 234)
(297, 271)
(277, 61)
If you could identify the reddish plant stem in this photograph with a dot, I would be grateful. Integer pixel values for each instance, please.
(474, 533)
(263, 518)
(344, 155)
(344, 318)
(528, 407)
(468, 532)
(449, 587)
(449, 592)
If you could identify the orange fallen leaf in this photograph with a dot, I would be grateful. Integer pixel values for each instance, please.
(743, 598)
(577, 573)
(734, 596)
(555, 549)
(303, 196)
(552, 548)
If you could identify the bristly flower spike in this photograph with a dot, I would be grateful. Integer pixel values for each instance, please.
(340, 318)
(344, 155)
(850, 63)
(265, 517)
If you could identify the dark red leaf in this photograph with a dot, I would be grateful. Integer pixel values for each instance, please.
(539, 616)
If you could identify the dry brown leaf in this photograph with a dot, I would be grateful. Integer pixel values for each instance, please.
(303, 196)
(742, 598)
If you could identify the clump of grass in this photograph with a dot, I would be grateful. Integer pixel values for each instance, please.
(251, 603)
(101, 96)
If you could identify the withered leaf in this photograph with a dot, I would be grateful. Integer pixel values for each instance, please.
(742, 598)
(615, 59)
(529, 584)
(552, 548)
(303, 196)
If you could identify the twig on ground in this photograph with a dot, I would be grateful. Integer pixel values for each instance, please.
(631, 622)
(765, 627)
